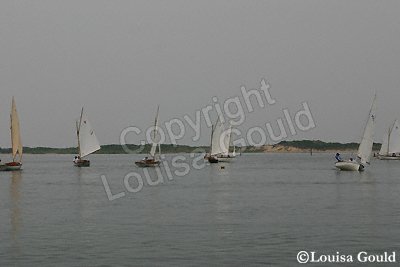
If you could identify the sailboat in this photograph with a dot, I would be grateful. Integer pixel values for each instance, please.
(153, 161)
(16, 143)
(220, 142)
(365, 147)
(87, 141)
(390, 149)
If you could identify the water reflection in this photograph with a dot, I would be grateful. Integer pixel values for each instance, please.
(220, 169)
(15, 194)
(367, 177)
(85, 194)
(221, 200)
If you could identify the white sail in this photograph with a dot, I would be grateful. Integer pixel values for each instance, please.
(155, 143)
(153, 149)
(216, 144)
(394, 141)
(15, 132)
(88, 142)
(225, 139)
(385, 144)
(365, 148)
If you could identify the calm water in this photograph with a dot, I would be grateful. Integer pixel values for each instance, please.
(261, 210)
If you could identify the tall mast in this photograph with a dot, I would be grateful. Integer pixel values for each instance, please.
(78, 128)
(213, 126)
(154, 145)
(156, 124)
(230, 137)
(388, 142)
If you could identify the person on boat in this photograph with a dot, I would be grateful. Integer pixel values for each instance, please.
(77, 159)
(338, 157)
(145, 158)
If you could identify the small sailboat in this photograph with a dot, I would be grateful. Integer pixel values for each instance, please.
(365, 147)
(220, 142)
(87, 141)
(16, 143)
(153, 161)
(390, 149)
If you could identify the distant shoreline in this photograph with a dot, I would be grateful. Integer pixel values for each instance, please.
(302, 146)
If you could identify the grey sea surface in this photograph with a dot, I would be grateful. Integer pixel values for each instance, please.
(260, 210)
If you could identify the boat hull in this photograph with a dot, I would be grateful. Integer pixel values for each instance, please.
(220, 158)
(147, 163)
(11, 166)
(388, 158)
(226, 158)
(82, 163)
(212, 159)
(349, 166)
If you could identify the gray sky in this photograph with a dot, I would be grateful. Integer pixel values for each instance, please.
(121, 58)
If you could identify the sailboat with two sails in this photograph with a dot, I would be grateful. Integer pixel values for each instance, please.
(365, 147)
(16, 143)
(154, 159)
(220, 143)
(87, 141)
(390, 149)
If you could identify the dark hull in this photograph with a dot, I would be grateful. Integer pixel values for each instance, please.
(147, 163)
(212, 160)
(82, 163)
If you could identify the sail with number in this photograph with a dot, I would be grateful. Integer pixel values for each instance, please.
(394, 141)
(15, 133)
(87, 140)
(365, 148)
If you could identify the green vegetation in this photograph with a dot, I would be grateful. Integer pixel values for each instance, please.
(315, 145)
(165, 148)
(169, 148)
(320, 145)
(110, 149)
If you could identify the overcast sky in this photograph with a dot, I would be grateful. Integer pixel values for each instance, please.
(120, 59)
